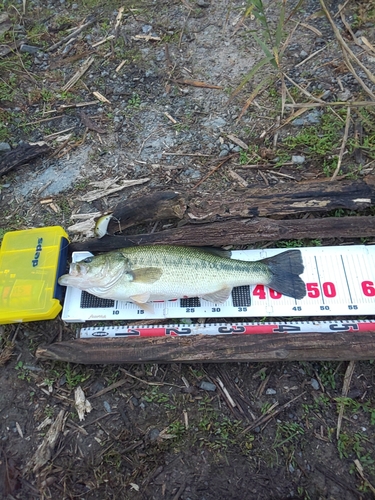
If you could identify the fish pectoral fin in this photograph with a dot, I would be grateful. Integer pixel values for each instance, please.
(146, 274)
(141, 301)
(219, 296)
(140, 298)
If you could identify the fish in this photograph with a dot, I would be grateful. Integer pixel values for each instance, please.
(143, 274)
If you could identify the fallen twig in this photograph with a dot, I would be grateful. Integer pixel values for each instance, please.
(71, 35)
(345, 389)
(343, 144)
(85, 66)
(215, 169)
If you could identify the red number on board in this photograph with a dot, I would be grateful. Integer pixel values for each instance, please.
(259, 291)
(274, 294)
(313, 290)
(329, 289)
(368, 288)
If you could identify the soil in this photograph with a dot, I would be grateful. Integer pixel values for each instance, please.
(169, 431)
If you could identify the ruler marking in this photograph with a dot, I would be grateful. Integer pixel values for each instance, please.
(292, 327)
(319, 280)
(346, 279)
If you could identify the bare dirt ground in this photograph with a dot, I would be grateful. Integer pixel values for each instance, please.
(168, 112)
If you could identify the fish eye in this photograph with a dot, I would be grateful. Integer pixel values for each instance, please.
(88, 260)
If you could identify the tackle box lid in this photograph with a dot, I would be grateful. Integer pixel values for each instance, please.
(31, 262)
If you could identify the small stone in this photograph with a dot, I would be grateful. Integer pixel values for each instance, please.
(154, 434)
(303, 53)
(214, 123)
(4, 146)
(207, 386)
(298, 159)
(311, 118)
(223, 152)
(270, 392)
(134, 400)
(29, 49)
(315, 384)
(74, 6)
(344, 96)
(107, 407)
(193, 174)
(203, 4)
(146, 28)
(291, 468)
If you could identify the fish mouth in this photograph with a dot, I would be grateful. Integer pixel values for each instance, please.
(76, 270)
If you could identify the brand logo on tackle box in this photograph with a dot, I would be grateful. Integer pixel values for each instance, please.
(38, 249)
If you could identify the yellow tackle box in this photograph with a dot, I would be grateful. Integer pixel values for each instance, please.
(31, 261)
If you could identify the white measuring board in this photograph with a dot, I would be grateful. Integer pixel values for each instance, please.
(340, 281)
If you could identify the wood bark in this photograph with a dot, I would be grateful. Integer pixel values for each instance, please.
(22, 154)
(284, 199)
(161, 205)
(241, 232)
(207, 349)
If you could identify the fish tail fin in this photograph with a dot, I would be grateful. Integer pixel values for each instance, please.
(285, 268)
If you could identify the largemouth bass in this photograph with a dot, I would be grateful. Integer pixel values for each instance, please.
(143, 274)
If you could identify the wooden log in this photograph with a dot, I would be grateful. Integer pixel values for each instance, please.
(207, 349)
(22, 154)
(284, 199)
(161, 205)
(240, 233)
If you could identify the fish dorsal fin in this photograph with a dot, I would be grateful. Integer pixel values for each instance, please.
(219, 296)
(140, 298)
(219, 252)
(146, 274)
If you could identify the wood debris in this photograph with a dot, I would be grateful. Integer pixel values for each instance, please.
(238, 141)
(71, 35)
(170, 117)
(345, 389)
(86, 228)
(82, 405)
(147, 38)
(85, 66)
(45, 449)
(22, 154)
(119, 18)
(108, 38)
(86, 216)
(101, 97)
(122, 63)
(359, 468)
(236, 177)
(197, 83)
(106, 190)
(90, 124)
